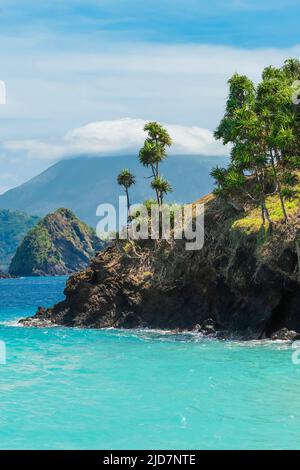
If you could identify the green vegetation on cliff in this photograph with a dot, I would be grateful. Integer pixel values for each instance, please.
(13, 227)
(262, 123)
(250, 220)
(59, 244)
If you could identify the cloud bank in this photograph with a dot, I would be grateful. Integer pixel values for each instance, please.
(115, 137)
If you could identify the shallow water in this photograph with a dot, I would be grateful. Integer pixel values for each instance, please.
(87, 389)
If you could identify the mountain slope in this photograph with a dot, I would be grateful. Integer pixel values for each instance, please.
(59, 244)
(13, 227)
(83, 183)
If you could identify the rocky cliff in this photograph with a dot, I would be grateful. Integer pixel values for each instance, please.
(59, 244)
(245, 282)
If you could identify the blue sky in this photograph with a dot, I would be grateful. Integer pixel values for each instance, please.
(243, 23)
(68, 64)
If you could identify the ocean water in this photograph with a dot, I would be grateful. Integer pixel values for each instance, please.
(87, 389)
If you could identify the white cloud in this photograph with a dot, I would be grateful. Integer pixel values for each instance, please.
(35, 149)
(118, 136)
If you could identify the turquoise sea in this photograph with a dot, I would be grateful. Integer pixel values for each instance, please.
(87, 389)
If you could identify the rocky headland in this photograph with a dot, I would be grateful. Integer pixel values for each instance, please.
(244, 283)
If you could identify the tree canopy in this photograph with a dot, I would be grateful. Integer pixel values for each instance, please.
(261, 122)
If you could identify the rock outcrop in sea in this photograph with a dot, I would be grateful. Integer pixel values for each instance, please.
(59, 244)
(244, 283)
(4, 275)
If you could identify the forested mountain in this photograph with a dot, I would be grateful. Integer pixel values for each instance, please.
(13, 227)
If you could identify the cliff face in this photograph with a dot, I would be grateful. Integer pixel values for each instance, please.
(59, 244)
(243, 283)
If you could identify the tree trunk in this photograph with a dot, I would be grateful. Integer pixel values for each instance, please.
(260, 178)
(266, 213)
(278, 189)
(160, 198)
(128, 206)
(155, 174)
(263, 214)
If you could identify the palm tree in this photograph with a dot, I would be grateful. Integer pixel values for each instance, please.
(158, 133)
(161, 186)
(147, 156)
(126, 179)
(154, 150)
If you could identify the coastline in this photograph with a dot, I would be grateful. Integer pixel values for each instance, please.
(243, 286)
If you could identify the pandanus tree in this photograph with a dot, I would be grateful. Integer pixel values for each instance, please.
(154, 151)
(126, 179)
(291, 69)
(161, 187)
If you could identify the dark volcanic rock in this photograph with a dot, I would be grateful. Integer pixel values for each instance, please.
(285, 335)
(4, 275)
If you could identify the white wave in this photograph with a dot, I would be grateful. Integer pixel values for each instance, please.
(14, 323)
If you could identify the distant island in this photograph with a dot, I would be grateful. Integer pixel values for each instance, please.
(59, 244)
